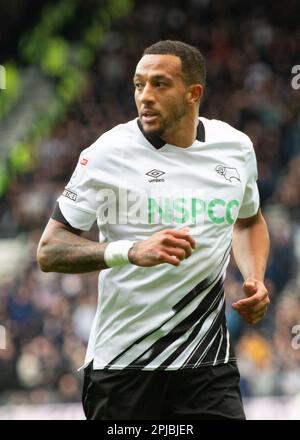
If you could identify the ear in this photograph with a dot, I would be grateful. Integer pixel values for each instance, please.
(195, 93)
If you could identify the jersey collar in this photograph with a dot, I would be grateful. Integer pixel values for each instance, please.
(158, 143)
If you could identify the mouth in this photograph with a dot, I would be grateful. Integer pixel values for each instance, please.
(149, 116)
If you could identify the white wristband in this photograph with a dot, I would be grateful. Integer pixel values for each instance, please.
(116, 253)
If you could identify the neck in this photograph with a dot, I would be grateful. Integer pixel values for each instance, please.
(184, 135)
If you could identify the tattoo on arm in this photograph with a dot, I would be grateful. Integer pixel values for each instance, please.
(70, 253)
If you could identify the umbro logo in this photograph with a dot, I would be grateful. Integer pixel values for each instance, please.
(228, 172)
(155, 174)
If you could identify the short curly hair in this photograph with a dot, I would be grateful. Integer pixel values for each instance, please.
(192, 61)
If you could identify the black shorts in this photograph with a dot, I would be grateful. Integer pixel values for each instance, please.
(190, 394)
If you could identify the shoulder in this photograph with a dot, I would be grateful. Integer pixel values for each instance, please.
(220, 131)
(111, 143)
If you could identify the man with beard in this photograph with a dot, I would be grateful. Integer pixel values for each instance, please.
(172, 193)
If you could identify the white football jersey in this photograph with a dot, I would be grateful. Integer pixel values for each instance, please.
(133, 184)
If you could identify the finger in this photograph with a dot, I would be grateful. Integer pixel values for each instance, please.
(252, 300)
(253, 320)
(183, 234)
(256, 320)
(254, 315)
(177, 242)
(252, 309)
(249, 290)
(176, 252)
(251, 305)
(171, 259)
(260, 314)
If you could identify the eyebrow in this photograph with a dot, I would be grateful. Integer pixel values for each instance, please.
(157, 77)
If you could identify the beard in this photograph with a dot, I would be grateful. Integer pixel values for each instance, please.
(168, 122)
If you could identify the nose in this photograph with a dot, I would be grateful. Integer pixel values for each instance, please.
(147, 94)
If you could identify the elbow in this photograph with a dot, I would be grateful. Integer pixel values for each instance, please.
(42, 257)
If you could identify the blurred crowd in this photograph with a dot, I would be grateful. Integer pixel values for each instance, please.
(250, 51)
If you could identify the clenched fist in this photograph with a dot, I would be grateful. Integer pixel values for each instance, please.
(167, 246)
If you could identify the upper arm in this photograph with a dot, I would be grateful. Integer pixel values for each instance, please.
(242, 223)
(54, 228)
(55, 234)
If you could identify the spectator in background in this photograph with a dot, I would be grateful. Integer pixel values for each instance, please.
(249, 59)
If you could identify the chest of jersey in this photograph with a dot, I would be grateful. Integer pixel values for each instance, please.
(203, 184)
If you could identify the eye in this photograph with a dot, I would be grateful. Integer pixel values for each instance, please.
(138, 85)
(160, 84)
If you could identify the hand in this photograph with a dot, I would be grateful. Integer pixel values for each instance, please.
(253, 308)
(167, 246)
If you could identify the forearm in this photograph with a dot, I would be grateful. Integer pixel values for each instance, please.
(69, 253)
(62, 249)
(251, 248)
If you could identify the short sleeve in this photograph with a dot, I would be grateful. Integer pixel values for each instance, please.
(250, 203)
(78, 202)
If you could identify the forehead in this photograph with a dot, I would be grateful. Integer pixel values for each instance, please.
(162, 65)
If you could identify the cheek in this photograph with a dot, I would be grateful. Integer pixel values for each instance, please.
(177, 104)
(136, 99)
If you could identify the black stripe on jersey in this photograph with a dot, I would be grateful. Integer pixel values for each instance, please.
(195, 357)
(154, 139)
(203, 285)
(204, 282)
(206, 306)
(220, 346)
(218, 352)
(58, 216)
(200, 132)
(210, 309)
(211, 351)
(210, 355)
(223, 348)
(158, 142)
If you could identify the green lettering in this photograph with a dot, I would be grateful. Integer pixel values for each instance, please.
(210, 210)
(178, 205)
(198, 208)
(153, 207)
(229, 206)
